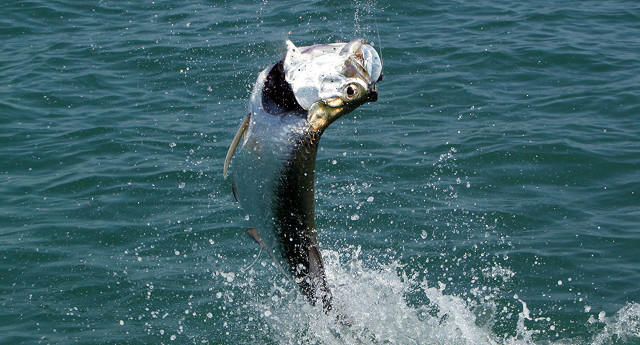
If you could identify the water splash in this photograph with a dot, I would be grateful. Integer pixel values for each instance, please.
(622, 328)
(374, 307)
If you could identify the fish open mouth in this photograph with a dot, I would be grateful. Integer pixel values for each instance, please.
(292, 103)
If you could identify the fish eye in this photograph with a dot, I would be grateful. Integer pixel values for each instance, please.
(351, 91)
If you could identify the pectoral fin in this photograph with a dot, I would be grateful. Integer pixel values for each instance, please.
(234, 144)
(253, 233)
(234, 189)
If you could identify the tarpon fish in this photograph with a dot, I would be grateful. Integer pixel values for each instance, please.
(292, 103)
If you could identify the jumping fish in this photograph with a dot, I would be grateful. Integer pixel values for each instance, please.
(291, 105)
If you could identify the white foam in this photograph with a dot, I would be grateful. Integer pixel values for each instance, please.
(373, 301)
(621, 328)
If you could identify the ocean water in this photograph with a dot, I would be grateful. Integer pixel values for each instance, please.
(490, 196)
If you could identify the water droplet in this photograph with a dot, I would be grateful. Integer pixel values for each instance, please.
(181, 185)
(172, 145)
(355, 217)
(601, 316)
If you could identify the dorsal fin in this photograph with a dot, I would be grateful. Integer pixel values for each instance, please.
(234, 144)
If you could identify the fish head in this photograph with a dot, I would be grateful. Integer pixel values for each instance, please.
(330, 80)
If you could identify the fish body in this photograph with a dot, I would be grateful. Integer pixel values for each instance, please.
(292, 103)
